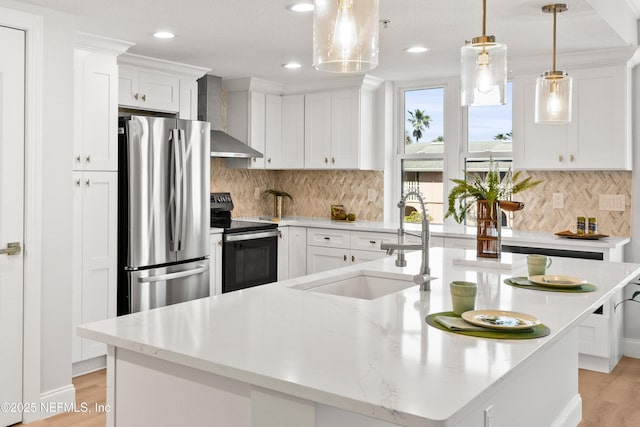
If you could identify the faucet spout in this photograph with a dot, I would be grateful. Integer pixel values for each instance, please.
(423, 278)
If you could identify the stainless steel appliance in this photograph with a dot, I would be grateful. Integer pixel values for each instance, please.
(163, 214)
(250, 249)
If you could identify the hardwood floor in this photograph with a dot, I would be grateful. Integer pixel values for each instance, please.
(611, 400)
(608, 400)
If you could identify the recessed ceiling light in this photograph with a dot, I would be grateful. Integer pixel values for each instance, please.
(417, 49)
(302, 7)
(164, 35)
(292, 65)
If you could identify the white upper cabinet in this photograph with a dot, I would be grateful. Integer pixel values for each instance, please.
(157, 85)
(339, 128)
(597, 138)
(292, 140)
(95, 139)
(273, 151)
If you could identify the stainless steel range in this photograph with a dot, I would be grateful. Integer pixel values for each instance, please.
(250, 249)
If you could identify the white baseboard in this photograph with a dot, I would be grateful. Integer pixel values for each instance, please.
(87, 366)
(53, 402)
(631, 348)
(571, 415)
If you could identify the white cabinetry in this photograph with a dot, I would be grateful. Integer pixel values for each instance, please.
(157, 85)
(339, 129)
(94, 254)
(215, 263)
(297, 252)
(283, 253)
(328, 249)
(254, 116)
(600, 123)
(95, 180)
(95, 139)
(292, 140)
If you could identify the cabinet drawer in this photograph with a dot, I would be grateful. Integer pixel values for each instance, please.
(367, 241)
(327, 238)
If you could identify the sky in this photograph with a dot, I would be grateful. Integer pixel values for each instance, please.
(484, 122)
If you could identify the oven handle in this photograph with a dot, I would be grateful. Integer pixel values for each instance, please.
(171, 276)
(251, 236)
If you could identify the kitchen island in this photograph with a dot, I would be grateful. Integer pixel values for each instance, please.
(285, 355)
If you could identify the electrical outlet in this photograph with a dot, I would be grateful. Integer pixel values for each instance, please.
(558, 201)
(371, 195)
(612, 202)
(256, 193)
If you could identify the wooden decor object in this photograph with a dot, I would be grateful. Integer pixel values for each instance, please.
(488, 223)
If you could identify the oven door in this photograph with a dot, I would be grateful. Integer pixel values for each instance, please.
(249, 259)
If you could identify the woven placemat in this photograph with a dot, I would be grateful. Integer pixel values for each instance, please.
(523, 282)
(535, 332)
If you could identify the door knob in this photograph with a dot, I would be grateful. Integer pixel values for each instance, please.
(12, 248)
(136, 96)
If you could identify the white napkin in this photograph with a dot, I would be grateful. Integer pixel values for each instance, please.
(457, 324)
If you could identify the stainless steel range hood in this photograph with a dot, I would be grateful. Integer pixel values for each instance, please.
(210, 109)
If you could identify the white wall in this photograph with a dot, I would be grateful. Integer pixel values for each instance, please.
(57, 125)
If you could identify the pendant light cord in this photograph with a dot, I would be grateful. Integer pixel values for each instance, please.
(555, 10)
(484, 18)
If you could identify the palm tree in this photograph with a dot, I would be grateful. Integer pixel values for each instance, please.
(439, 139)
(419, 120)
(503, 136)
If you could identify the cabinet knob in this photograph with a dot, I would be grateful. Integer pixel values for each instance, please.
(327, 238)
(353, 258)
(269, 160)
(135, 95)
(219, 242)
(560, 158)
(88, 159)
(333, 160)
(344, 257)
(571, 157)
(144, 97)
(373, 242)
(254, 160)
(78, 158)
(88, 183)
(326, 160)
(77, 183)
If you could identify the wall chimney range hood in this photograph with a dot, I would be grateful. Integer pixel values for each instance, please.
(210, 109)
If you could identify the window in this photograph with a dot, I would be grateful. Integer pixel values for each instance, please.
(421, 154)
(437, 143)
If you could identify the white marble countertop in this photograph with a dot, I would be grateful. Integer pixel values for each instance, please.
(375, 357)
(509, 236)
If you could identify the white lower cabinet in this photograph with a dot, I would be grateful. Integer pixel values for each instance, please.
(95, 210)
(328, 249)
(283, 253)
(215, 263)
(297, 251)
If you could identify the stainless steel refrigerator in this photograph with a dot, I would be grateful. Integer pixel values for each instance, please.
(163, 212)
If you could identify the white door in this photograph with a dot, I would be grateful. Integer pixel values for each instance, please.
(11, 217)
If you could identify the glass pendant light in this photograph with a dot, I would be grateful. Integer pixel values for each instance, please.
(553, 88)
(345, 35)
(483, 72)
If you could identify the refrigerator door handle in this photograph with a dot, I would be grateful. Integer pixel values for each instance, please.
(176, 190)
(183, 191)
(171, 276)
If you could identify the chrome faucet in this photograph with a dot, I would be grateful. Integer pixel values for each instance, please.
(423, 278)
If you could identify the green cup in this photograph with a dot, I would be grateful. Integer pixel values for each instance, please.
(538, 264)
(463, 296)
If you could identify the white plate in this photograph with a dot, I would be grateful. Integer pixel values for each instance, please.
(554, 281)
(500, 319)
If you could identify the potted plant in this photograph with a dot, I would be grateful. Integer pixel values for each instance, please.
(488, 192)
(279, 195)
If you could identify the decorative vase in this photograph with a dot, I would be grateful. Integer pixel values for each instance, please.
(488, 222)
(277, 206)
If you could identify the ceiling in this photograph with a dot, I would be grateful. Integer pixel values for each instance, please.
(253, 38)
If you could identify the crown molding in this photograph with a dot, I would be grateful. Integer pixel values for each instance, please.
(628, 55)
(100, 44)
(161, 65)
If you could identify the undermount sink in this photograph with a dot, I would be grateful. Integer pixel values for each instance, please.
(360, 284)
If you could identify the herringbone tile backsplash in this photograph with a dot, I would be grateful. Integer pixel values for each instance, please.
(581, 190)
(314, 192)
